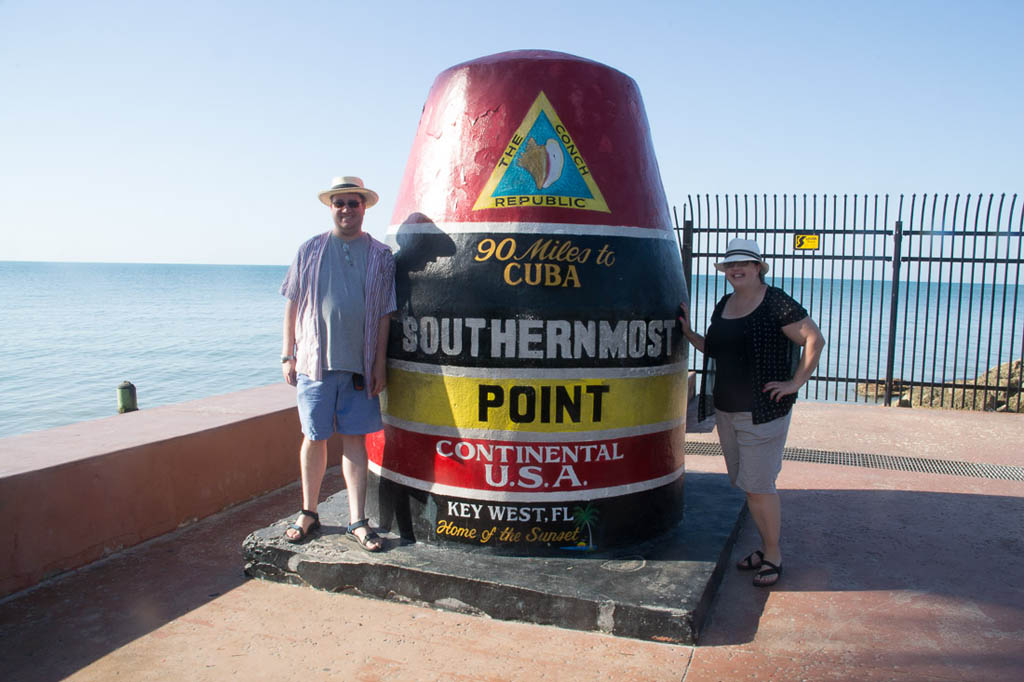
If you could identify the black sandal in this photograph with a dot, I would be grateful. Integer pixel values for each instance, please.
(747, 563)
(361, 541)
(303, 533)
(767, 570)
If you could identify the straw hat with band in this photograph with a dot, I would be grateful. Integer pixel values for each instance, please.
(349, 184)
(742, 250)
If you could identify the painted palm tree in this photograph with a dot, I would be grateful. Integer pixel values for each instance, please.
(586, 516)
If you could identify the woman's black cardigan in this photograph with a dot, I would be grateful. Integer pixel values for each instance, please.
(773, 357)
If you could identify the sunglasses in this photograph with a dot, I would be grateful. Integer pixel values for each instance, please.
(739, 264)
(351, 203)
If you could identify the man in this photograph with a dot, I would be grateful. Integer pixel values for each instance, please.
(341, 293)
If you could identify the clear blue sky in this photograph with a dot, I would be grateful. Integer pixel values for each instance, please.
(200, 132)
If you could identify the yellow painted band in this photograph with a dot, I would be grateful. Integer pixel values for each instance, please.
(534, 405)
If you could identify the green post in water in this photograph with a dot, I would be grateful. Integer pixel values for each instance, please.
(126, 400)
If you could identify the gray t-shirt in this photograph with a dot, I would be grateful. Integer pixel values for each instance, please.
(341, 303)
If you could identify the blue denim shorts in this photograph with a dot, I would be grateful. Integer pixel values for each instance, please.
(335, 406)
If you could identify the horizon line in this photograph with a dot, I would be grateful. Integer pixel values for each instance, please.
(92, 262)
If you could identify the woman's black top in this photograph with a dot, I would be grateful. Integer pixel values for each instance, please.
(748, 352)
(733, 390)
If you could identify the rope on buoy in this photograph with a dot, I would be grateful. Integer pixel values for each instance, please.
(126, 398)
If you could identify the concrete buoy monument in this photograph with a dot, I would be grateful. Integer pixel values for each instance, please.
(536, 393)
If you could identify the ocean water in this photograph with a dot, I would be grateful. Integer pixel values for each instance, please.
(73, 331)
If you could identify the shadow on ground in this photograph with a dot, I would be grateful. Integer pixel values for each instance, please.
(963, 548)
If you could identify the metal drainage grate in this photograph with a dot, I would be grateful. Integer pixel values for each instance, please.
(997, 472)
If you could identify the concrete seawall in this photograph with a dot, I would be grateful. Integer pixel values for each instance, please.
(71, 495)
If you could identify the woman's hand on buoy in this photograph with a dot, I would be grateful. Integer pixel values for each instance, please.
(684, 318)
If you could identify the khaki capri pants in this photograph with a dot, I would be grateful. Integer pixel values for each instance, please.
(753, 452)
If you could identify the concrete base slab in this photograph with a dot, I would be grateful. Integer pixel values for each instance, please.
(660, 590)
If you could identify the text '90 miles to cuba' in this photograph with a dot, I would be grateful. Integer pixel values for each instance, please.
(546, 262)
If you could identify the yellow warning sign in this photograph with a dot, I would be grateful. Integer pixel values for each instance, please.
(541, 166)
(806, 242)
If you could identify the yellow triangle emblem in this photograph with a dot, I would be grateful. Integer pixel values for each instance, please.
(541, 166)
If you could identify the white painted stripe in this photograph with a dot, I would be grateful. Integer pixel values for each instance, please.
(508, 496)
(571, 373)
(531, 436)
(533, 228)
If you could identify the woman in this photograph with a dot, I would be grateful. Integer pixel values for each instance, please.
(761, 347)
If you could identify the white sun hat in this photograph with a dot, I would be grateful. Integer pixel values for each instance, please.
(742, 250)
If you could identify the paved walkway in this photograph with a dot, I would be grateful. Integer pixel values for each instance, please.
(889, 575)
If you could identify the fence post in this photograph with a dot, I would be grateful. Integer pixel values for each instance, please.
(685, 246)
(897, 236)
(688, 254)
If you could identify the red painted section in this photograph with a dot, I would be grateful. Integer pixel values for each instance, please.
(513, 465)
(472, 112)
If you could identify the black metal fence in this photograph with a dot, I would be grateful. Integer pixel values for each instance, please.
(920, 298)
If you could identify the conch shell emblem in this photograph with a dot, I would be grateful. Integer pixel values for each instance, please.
(544, 164)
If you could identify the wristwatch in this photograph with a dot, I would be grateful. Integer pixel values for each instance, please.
(286, 358)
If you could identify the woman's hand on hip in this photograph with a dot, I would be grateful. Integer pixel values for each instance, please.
(777, 389)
